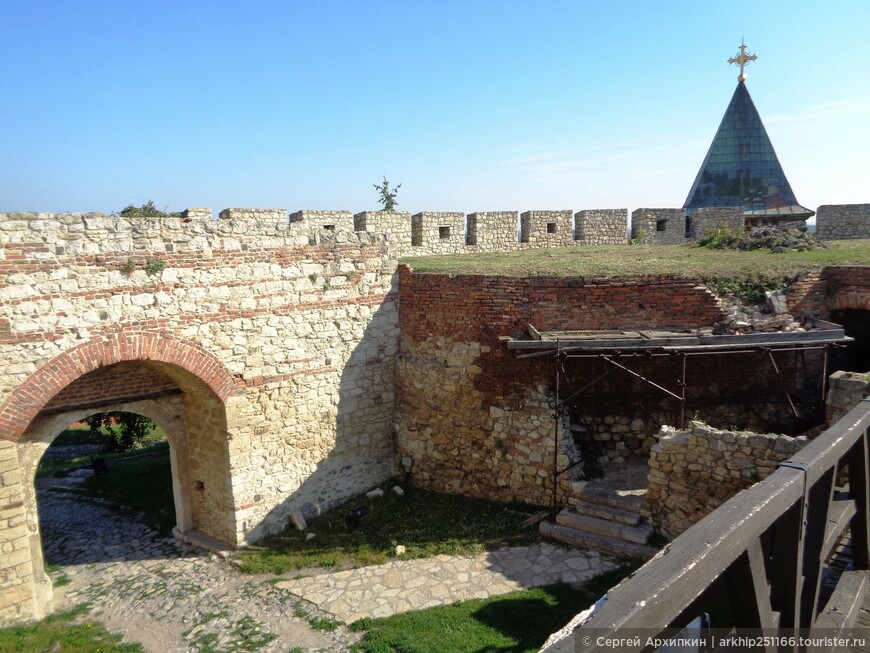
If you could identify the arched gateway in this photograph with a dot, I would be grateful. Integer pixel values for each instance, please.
(179, 385)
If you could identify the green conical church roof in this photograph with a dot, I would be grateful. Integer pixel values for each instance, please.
(741, 168)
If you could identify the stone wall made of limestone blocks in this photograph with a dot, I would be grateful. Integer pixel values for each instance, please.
(843, 221)
(845, 391)
(694, 471)
(320, 319)
(601, 227)
(16, 575)
(659, 226)
(706, 219)
(453, 439)
(547, 228)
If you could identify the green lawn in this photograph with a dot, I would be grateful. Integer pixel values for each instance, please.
(136, 482)
(60, 633)
(512, 623)
(425, 523)
(625, 260)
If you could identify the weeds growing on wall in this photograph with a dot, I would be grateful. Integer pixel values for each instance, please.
(387, 196)
(749, 290)
(147, 210)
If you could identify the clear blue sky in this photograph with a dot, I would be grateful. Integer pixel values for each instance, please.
(472, 105)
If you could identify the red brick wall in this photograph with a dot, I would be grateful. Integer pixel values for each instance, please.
(124, 381)
(480, 309)
(835, 287)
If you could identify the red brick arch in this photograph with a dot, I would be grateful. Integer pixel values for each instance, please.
(36, 390)
(851, 300)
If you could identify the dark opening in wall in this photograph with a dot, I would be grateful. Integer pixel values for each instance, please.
(329, 227)
(856, 356)
(551, 227)
(443, 233)
(661, 225)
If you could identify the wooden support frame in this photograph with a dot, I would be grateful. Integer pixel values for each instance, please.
(768, 544)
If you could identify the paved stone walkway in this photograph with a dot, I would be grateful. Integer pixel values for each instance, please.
(174, 598)
(402, 585)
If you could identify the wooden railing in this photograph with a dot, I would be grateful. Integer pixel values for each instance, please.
(759, 559)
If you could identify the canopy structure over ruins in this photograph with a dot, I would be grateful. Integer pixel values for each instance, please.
(741, 167)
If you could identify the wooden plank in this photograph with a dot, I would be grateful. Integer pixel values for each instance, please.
(660, 591)
(536, 335)
(780, 336)
(844, 606)
(691, 563)
(755, 554)
(840, 513)
(859, 486)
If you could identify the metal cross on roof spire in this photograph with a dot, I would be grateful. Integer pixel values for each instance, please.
(742, 60)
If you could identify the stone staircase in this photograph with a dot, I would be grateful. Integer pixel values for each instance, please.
(607, 518)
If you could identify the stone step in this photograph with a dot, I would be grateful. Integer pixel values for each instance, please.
(637, 534)
(628, 500)
(628, 517)
(596, 542)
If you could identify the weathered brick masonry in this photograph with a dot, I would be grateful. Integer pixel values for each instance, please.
(471, 417)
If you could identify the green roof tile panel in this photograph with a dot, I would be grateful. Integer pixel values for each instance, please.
(741, 168)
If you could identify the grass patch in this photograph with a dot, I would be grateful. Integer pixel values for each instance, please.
(619, 260)
(60, 634)
(511, 623)
(143, 485)
(425, 523)
(62, 466)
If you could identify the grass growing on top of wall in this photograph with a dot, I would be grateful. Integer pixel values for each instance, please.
(516, 622)
(425, 523)
(622, 260)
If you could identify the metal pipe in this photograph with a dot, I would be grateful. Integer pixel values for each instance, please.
(642, 378)
(782, 383)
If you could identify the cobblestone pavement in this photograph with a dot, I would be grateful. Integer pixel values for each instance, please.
(174, 598)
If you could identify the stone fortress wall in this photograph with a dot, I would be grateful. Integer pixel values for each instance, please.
(269, 346)
(843, 221)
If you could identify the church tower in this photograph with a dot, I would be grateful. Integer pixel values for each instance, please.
(741, 167)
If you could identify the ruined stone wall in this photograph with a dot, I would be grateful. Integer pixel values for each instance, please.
(843, 221)
(834, 287)
(704, 219)
(693, 472)
(601, 227)
(547, 228)
(846, 390)
(659, 226)
(472, 418)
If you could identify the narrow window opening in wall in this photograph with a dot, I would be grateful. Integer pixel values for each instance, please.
(443, 233)
(551, 227)
(329, 227)
(661, 225)
(688, 233)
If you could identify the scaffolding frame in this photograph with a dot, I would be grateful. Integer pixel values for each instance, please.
(616, 354)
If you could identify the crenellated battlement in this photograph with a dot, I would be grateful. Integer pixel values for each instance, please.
(423, 233)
